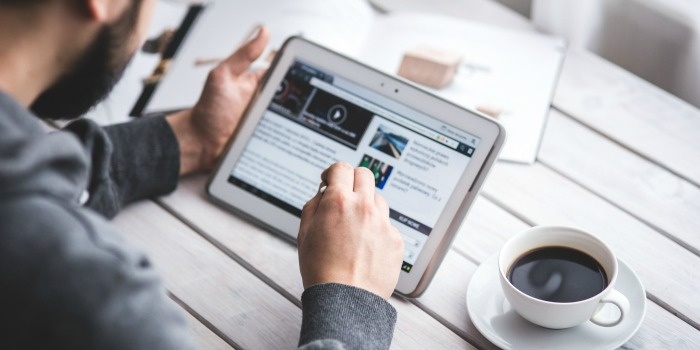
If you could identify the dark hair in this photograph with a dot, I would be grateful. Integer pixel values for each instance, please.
(20, 2)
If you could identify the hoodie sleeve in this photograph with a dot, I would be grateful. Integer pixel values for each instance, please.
(337, 316)
(128, 162)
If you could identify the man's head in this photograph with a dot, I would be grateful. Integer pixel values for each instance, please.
(20, 2)
(119, 27)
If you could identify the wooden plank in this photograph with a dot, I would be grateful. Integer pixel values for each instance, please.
(662, 330)
(486, 228)
(541, 196)
(203, 337)
(446, 297)
(277, 260)
(235, 301)
(649, 192)
(631, 111)
(417, 330)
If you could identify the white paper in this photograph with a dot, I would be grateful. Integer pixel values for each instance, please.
(514, 71)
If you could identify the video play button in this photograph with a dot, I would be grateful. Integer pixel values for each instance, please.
(282, 89)
(337, 114)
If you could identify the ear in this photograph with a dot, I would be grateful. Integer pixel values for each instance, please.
(105, 10)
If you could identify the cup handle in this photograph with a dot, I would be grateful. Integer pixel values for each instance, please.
(616, 298)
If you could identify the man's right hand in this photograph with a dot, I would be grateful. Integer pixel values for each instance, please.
(345, 235)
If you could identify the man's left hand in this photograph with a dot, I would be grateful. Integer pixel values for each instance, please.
(202, 132)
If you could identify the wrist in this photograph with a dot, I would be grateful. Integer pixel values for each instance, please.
(192, 150)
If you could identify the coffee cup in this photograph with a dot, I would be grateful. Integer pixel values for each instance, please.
(560, 277)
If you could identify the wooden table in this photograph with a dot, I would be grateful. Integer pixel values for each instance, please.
(619, 158)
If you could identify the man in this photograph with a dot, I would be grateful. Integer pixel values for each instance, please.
(67, 279)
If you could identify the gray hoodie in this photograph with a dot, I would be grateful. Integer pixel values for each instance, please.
(69, 281)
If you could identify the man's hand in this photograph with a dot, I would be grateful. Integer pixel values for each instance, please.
(203, 131)
(345, 235)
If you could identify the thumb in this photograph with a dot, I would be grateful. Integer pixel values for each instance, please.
(307, 215)
(257, 75)
(240, 61)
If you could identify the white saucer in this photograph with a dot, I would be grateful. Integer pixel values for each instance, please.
(499, 323)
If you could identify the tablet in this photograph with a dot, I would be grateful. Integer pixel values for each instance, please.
(316, 107)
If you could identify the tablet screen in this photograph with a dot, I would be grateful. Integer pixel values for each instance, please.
(317, 118)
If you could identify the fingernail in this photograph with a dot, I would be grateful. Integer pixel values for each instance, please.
(255, 33)
(252, 35)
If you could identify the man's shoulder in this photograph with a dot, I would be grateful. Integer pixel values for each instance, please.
(39, 221)
(67, 274)
(51, 239)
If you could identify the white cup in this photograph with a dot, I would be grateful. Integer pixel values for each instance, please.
(558, 315)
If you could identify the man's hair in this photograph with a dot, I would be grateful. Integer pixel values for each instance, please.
(20, 2)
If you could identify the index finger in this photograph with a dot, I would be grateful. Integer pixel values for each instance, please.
(240, 61)
(364, 180)
(340, 175)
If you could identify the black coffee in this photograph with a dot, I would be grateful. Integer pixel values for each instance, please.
(558, 274)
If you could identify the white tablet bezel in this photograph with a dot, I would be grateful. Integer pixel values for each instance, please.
(490, 133)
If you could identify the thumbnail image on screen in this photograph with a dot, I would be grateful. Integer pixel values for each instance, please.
(387, 141)
(380, 170)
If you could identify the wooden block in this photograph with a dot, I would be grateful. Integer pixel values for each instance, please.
(492, 111)
(429, 66)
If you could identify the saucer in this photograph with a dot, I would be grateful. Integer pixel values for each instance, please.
(498, 322)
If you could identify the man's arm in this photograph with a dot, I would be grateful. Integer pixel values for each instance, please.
(130, 161)
(203, 131)
(339, 316)
(350, 258)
